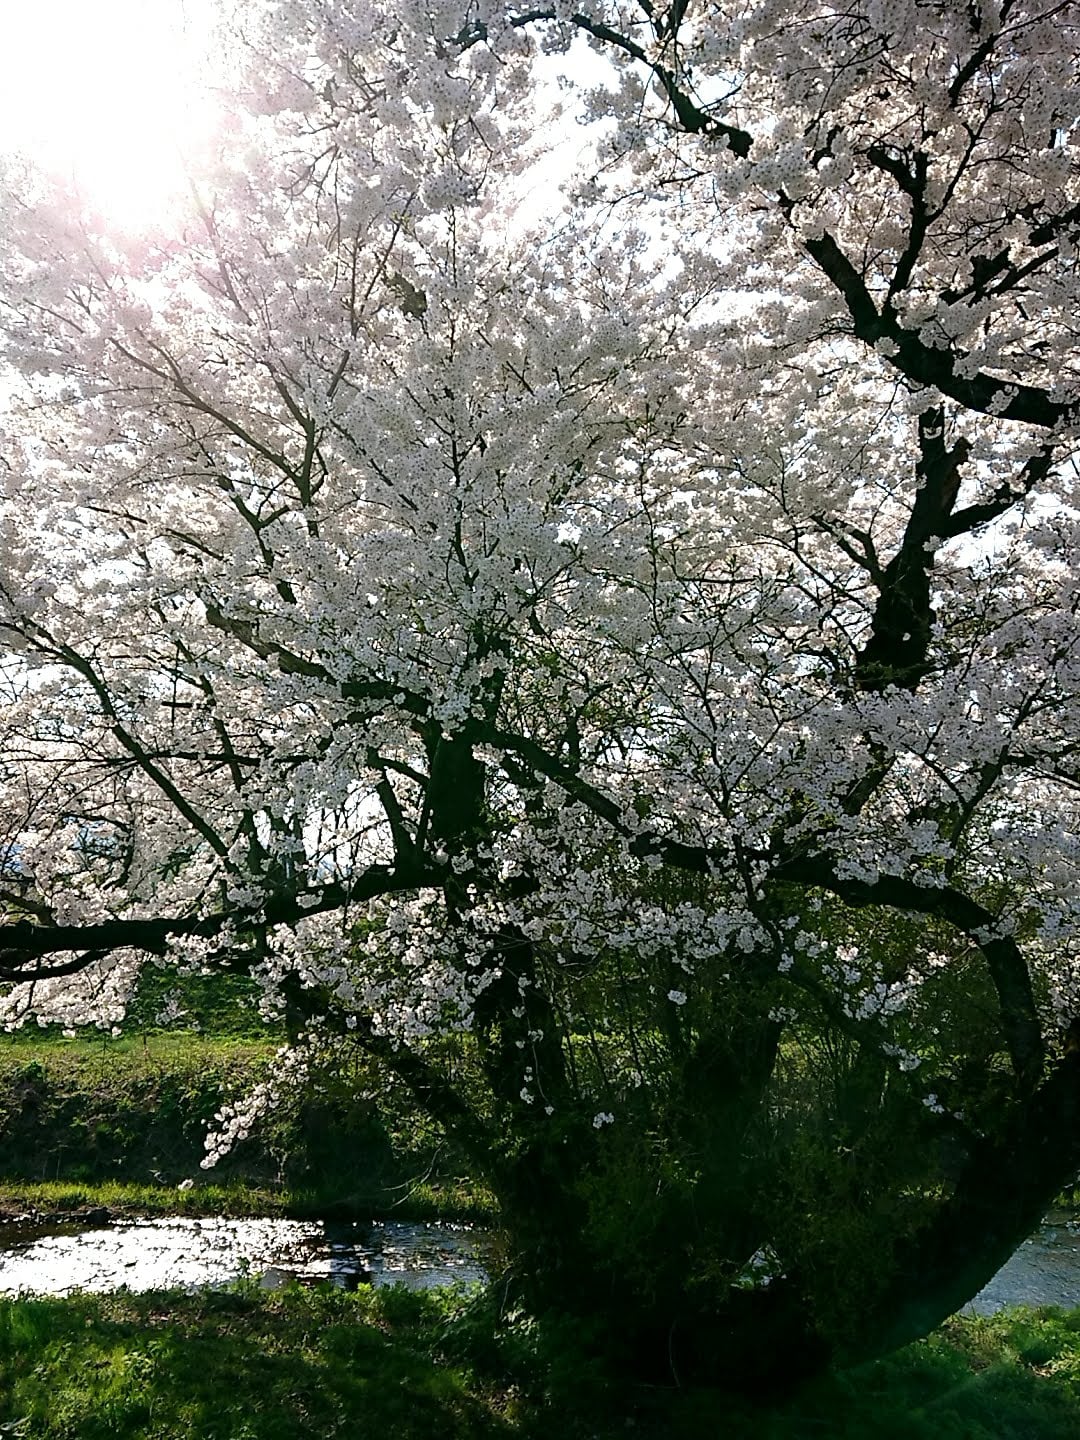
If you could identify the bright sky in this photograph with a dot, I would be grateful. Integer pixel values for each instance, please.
(108, 92)
(103, 89)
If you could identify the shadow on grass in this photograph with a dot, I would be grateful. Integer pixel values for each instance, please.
(396, 1365)
(1013, 1377)
(232, 1366)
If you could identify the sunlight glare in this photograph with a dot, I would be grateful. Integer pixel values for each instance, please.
(110, 94)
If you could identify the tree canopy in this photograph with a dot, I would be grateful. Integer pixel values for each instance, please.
(617, 666)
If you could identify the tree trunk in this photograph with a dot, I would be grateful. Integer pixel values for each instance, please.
(1002, 1193)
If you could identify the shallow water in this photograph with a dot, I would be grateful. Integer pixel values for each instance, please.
(189, 1253)
(1044, 1271)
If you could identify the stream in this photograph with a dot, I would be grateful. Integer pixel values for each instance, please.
(1044, 1271)
(57, 1257)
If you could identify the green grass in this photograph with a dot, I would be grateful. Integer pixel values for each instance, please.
(239, 1365)
(227, 1365)
(244, 1366)
(120, 1123)
(84, 1046)
(97, 1108)
(126, 1199)
(1015, 1376)
(461, 1200)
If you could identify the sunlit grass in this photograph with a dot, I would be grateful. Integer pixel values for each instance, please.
(96, 1109)
(231, 1198)
(228, 1365)
(239, 1365)
(120, 1122)
(451, 1199)
(160, 1047)
(244, 1366)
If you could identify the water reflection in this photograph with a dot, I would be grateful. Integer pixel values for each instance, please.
(190, 1253)
(54, 1259)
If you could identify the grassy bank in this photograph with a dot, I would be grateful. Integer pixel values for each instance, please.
(455, 1199)
(245, 1366)
(120, 1123)
(97, 1108)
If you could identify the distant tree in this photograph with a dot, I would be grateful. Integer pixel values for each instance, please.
(620, 674)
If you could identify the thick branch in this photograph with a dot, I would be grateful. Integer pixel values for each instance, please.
(1000, 1197)
(696, 858)
(1004, 958)
(931, 368)
(896, 652)
(24, 945)
(692, 118)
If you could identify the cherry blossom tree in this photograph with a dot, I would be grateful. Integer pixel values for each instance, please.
(619, 671)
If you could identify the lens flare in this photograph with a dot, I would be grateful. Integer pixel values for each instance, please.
(112, 96)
